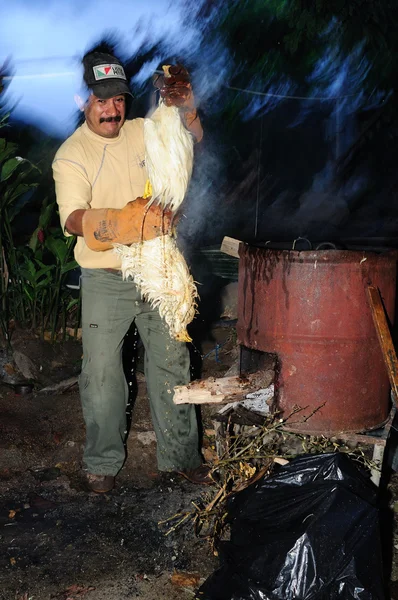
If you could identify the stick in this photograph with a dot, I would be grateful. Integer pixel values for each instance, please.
(61, 387)
(383, 333)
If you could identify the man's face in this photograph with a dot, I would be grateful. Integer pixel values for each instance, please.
(105, 117)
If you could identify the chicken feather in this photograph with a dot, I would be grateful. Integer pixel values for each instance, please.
(157, 266)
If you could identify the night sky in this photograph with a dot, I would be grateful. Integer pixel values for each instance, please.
(45, 38)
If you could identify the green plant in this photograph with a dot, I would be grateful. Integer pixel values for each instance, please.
(16, 181)
(36, 279)
(61, 250)
(32, 272)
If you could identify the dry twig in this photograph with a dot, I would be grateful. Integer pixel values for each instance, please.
(250, 454)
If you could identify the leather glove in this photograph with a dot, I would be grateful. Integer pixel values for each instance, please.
(135, 222)
(175, 87)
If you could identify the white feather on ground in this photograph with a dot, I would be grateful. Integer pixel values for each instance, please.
(157, 266)
(169, 286)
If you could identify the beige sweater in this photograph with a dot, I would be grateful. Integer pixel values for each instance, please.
(95, 172)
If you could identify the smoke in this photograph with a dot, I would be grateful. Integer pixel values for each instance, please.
(282, 182)
(279, 200)
(204, 210)
(210, 65)
(324, 210)
(337, 93)
(266, 159)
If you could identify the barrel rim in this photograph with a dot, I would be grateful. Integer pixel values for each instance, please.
(323, 255)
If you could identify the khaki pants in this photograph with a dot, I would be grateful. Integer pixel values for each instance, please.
(109, 306)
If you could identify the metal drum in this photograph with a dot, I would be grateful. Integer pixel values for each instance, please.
(311, 309)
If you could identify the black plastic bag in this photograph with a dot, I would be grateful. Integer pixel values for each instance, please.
(309, 532)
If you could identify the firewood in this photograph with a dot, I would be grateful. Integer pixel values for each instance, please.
(222, 390)
(230, 246)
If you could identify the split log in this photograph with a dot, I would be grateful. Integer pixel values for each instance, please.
(222, 390)
(230, 246)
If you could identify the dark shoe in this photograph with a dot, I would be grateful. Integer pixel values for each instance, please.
(100, 484)
(200, 475)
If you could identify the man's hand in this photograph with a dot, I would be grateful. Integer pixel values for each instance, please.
(176, 90)
(175, 87)
(136, 222)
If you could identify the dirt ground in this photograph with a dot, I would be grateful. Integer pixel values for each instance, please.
(57, 540)
(60, 542)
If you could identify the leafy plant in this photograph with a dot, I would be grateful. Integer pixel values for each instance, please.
(61, 250)
(32, 275)
(16, 181)
(36, 290)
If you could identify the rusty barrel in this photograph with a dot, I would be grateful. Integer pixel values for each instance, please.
(311, 309)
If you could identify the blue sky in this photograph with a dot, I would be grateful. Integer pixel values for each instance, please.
(44, 39)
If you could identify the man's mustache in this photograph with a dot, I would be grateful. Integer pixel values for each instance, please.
(111, 119)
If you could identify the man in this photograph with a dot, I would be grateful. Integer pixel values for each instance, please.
(100, 178)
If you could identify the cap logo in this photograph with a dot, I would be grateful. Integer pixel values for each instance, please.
(108, 71)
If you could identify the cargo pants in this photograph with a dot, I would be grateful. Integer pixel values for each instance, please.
(109, 306)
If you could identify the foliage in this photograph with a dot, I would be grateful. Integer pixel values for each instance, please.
(32, 275)
(34, 293)
(45, 300)
(15, 183)
(305, 48)
(274, 37)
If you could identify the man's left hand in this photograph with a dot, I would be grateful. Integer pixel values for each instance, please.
(176, 90)
(175, 87)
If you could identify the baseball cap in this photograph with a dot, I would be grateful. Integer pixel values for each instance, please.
(104, 75)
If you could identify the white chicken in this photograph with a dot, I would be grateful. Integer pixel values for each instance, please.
(157, 266)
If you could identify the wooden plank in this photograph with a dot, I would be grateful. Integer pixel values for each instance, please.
(384, 335)
(222, 390)
(230, 246)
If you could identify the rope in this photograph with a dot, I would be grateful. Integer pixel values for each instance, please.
(229, 87)
(258, 178)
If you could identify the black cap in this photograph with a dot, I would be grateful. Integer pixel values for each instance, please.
(104, 75)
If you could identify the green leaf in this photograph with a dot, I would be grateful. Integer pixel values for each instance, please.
(72, 303)
(44, 271)
(45, 215)
(58, 248)
(20, 189)
(6, 149)
(33, 242)
(23, 198)
(28, 292)
(31, 267)
(25, 274)
(40, 263)
(43, 283)
(9, 167)
(69, 267)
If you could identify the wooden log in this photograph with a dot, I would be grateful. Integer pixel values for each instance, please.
(230, 246)
(222, 390)
(385, 339)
